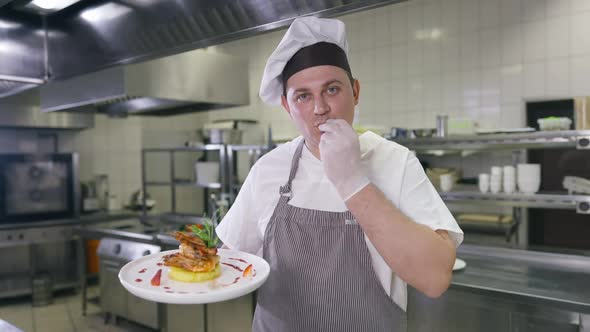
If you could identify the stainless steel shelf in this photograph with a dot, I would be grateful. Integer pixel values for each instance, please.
(204, 147)
(185, 184)
(581, 203)
(536, 140)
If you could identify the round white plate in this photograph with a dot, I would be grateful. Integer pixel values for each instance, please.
(459, 264)
(136, 277)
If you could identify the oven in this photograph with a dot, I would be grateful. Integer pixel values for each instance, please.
(36, 187)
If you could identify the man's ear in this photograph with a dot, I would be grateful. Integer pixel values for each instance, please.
(356, 90)
(285, 104)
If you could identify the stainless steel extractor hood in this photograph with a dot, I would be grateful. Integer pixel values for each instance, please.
(187, 82)
(22, 111)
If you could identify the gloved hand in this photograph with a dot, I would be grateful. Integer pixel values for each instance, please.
(341, 157)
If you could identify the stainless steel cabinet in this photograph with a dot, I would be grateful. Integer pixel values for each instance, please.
(460, 310)
(113, 295)
(231, 316)
(139, 310)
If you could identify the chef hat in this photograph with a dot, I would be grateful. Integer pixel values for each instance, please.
(309, 42)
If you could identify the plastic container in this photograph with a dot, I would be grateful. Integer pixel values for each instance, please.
(554, 123)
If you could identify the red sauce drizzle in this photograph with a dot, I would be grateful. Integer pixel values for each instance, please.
(239, 259)
(160, 264)
(231, 265)
(138, 280)
(166, 287)
(142, 271)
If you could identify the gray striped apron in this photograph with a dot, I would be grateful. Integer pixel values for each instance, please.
(321, 274)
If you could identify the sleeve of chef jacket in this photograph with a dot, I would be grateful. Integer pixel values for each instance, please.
(239, 230)
(420, 201)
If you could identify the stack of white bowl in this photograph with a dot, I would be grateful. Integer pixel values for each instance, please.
(529, 178)
(484, 183)
(496, 180)
(509, 179)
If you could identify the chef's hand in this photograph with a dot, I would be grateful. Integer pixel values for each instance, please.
(341, 157)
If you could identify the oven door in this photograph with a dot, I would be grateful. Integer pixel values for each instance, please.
(37, 187)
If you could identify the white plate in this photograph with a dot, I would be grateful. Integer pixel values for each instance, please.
(459, 264)
(136, 277)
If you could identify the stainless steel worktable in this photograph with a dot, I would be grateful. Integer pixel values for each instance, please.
(85, 219)
(558, 280)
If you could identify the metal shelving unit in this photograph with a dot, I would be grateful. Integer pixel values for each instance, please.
(254, 153)
(580, 203)
(174, 182)
(516, 142)
(580, 139)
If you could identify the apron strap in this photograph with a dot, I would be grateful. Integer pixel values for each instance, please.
(286, 189)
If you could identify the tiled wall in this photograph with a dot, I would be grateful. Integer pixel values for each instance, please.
(476, 59)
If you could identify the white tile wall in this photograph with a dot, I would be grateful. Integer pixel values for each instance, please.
(461, 57)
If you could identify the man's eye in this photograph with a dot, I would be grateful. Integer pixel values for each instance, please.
(303, 97)
(333, 90)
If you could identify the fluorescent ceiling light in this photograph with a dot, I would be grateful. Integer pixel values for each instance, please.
(49, 6)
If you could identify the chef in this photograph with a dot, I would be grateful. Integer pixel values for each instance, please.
(345, 221)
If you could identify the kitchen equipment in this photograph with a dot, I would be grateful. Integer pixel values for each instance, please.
(42, 289)
(554, 123)
(528, 178)
(484, 218)
(446, 182)
(38, 187)
(423, 132)
(115, 300)
(233, 282)
(505, 131)
(576, 184)
(102, 190)
(137, 201)
(113, 203)
(509, 179)
(397, 132)
(442, 128)
(582, 113)
(459, 264)
(90, 202)
(484, 183)
(207, 172)
(434, 175)
(161, 87)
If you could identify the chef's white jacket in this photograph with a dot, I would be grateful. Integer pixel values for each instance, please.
(390, 166)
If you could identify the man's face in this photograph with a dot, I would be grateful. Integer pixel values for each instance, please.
(317, 94)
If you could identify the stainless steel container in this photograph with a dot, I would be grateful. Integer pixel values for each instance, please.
(224, 136)
(42, 290)
(442, 128)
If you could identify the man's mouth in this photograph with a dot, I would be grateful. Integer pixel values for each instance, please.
(320, 120)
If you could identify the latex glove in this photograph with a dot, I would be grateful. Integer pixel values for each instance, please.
(341, 157)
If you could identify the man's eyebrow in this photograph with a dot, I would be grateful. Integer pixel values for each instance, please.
(332, 81)
(325, 84)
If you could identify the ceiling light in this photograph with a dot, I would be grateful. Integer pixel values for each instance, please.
(49, 6)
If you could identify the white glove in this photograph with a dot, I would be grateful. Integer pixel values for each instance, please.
(341, 157)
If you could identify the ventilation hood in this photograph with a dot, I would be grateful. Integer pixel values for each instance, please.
(94, 35)
(183, 83)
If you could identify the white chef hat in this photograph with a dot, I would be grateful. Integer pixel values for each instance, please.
(330, 47)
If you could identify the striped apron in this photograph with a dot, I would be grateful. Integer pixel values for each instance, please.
(321, 274)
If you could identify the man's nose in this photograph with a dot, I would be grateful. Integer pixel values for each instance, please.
(321, 107)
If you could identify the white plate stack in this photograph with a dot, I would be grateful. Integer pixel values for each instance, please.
(496, 180)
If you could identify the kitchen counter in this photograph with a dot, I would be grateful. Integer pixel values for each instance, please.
(558, 280)
(85, 219)
(533, 277)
